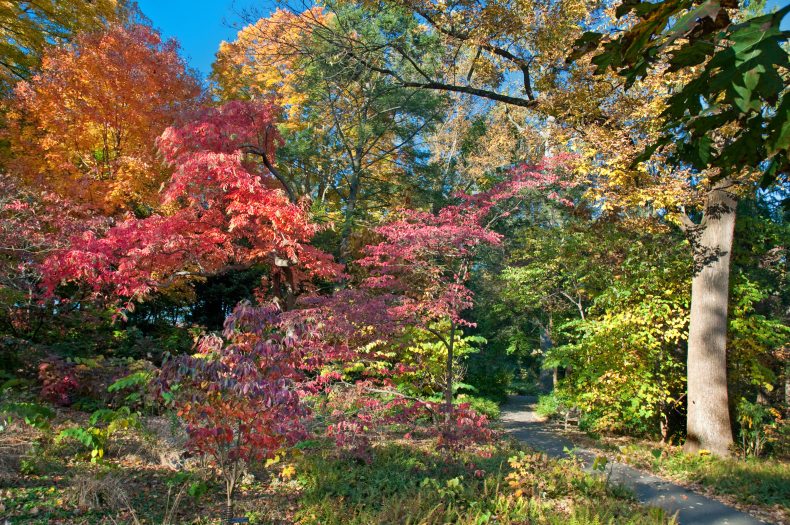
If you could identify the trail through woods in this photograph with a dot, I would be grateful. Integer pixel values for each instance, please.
(522, 422)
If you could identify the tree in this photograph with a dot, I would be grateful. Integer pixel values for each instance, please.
(425, 260)
(28, 28)
(32, 227)
(219, 210)
(239, 398)
(730, 122)
(85, 125)
(350, 133)
(485, 47)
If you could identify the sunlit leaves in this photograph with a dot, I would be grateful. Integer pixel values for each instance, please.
(85, 125)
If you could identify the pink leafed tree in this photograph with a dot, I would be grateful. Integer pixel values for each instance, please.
(222, 208)
(33, 226)
(419, 271)
(239, 395)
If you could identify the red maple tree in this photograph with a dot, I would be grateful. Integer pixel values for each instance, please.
(222, 208)
(239, 396)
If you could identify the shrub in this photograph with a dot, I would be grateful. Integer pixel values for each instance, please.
(481, 405)
(759, 427)
(103, 423)
(548, 405)
(239, 398)
(59, 382)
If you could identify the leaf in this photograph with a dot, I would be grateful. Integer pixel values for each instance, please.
(584, 44)
(691, 55)
(686, 23)
(141, 378)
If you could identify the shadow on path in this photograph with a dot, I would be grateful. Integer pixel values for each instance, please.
(521, 421)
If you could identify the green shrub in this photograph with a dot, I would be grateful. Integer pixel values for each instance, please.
(104, 423)
(548, 405)
(759, 425)
(481, 405)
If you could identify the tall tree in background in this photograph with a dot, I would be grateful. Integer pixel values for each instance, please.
(28, 28)
(85, 126)
(349, 132)
(730, 122)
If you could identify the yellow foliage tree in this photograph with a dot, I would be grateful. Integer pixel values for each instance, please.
(27, 28)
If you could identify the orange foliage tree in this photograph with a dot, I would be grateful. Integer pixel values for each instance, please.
(86, 125)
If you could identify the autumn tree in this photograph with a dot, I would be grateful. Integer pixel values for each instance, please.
(85, 125)
(32, 226)
(239, 394)
(349, 132)
(486, 47)
(219, 211)
(28, 28)
(426, 260)
(728, 123)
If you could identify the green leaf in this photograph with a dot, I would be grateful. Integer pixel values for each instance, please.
(691, 55)
(586, 43)
(137, 379)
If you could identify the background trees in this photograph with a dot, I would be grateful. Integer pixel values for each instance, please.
(86, 124)
(351, 135)
(29, 27)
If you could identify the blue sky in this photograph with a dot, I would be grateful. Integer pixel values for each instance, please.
(200, 25)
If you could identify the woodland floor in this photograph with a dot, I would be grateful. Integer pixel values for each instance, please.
(522, 422)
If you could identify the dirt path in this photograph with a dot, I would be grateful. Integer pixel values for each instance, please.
(521, 421)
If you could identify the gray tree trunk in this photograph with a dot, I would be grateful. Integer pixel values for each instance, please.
(708, 419)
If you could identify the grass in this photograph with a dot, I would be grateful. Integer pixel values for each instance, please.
(401, 482)
(405, 483)
(753, 481)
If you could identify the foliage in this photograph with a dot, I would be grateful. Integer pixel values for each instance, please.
(536, 477)
(33, 414)
(759, 427)
(239, 399)
(425, 260)
(135, 386)
(750, 481)
(626, 355)
(358, 416)
(85, 125)
(102, 425)
(30, 27)
(737, 90)
(220, 210)
(470, 489)
(481, 405)
(32, 224)
(548, 405)
(60, 382)
(351, 135)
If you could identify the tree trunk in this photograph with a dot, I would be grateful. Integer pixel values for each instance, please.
(708, 419)
(548, 378)
(448, 388)
(348, 219)
(230, 488)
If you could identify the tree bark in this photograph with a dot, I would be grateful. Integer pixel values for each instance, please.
(708, 418)
(548, 378)
(448, 389)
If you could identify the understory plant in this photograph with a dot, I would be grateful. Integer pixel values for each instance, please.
(238, 395)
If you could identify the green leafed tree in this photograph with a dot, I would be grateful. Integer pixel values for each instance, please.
(730, 125)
